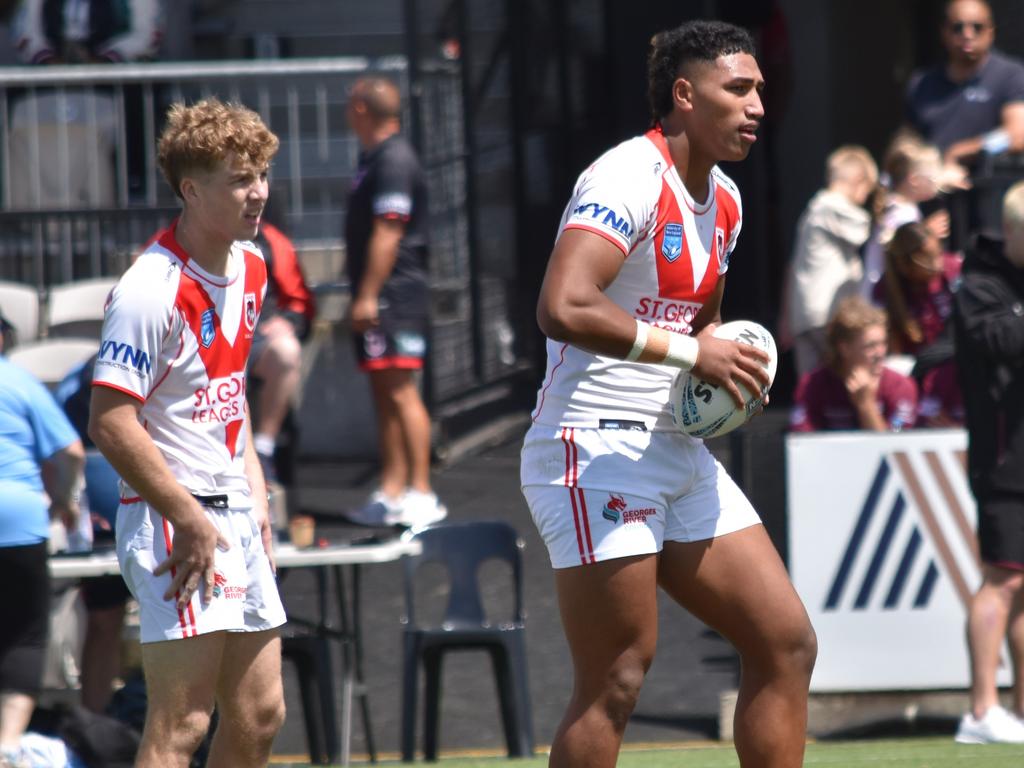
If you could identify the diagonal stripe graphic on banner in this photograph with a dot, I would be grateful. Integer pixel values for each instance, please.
(912, 483)
(835, 593)
(924, 592)
(881, 550)
(970, 539)
(903, 571)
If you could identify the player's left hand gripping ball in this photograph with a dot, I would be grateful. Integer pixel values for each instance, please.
(706, 410)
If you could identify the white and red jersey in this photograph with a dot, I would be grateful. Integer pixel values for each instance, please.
(674, 249)
(177, 338)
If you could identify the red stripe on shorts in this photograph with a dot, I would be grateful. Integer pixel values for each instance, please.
(580, 507)
(586, 527)
(177, 594)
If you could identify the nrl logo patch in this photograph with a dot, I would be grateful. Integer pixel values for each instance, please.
(207, 327)
(672, 244)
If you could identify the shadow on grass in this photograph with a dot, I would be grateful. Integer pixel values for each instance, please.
(894, 728)
(693, 727)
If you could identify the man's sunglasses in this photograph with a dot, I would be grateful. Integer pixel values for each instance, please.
(977, 27)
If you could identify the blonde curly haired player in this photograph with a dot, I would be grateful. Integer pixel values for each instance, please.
(168, 411)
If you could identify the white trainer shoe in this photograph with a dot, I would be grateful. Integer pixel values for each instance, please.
(379, 510)
(420, 508)
(997, 727)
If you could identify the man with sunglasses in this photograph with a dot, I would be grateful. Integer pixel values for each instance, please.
(973, 103)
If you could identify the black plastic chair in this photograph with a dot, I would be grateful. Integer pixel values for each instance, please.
(462, 548)
(312, 658)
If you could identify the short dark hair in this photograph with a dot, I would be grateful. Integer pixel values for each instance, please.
(692, 41)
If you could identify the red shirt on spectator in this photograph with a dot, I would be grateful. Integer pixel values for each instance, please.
(929, 303)
(942, 404)
(822, 403)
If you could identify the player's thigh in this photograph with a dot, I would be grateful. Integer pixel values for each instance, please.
(181, 675)
(738, 585)
(610, 614)
(249, 682)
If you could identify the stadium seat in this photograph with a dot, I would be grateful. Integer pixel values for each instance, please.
(463, 548)
(19, 303)
(76, 309)
(50, 360)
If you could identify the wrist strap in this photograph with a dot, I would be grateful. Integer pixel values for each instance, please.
(639, 342)
(658, 345)
(682, 351)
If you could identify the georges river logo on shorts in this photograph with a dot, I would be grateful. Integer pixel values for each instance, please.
(613, 508)
(617, 507)
(222, 400)
(221, 587)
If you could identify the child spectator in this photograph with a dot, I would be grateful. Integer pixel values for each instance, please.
(826, 264)
(912, 177)
(854, 389)
(916, 289)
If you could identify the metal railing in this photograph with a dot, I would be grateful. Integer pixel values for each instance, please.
(78, 143)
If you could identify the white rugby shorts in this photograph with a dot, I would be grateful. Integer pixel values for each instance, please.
(245, 597)
(599, 494)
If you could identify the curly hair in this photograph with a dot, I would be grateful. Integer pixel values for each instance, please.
(200, 136)
(693, 41)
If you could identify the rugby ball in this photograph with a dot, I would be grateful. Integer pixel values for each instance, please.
(705, 410)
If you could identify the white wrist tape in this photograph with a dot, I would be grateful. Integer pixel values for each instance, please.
(682, 351)
(642, 330)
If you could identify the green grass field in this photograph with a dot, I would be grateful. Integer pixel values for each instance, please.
(933, 752)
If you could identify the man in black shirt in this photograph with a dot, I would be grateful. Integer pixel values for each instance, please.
(989, 335)
(974, 102)
(386, 260)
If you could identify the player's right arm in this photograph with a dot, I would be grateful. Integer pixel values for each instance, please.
(573, 308)
(139, 320)
(115, 428)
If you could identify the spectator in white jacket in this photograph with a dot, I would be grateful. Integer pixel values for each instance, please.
(826, 264)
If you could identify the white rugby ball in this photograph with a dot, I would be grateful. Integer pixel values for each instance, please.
(705, 410)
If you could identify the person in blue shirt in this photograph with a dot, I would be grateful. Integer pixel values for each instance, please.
(105, 597)
(41, 460)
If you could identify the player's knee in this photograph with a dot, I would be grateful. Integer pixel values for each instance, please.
(792, 650)
(183, 731)
(623, 688)
(268, 718)
(287, 351)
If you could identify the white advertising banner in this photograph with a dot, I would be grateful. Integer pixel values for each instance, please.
(882, 549)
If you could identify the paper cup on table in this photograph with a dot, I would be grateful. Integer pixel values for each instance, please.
(301, 530)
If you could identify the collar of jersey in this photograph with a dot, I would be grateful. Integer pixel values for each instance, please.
(657, 137)
(169, 240)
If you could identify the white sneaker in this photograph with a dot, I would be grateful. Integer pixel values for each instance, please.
(997, 727)
(421, 508)
(379, 510)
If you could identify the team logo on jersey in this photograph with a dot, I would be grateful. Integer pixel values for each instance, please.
(250, 310)
(672, 244)
(723, 257)
(207, 327)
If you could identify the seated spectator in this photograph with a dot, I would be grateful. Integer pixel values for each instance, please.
(912, 176)
(942, 402)
(87, 31)
(826, 264)
(275, 359)
(105, 597)
(39, 451)
(916, 289)
(854, 389)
